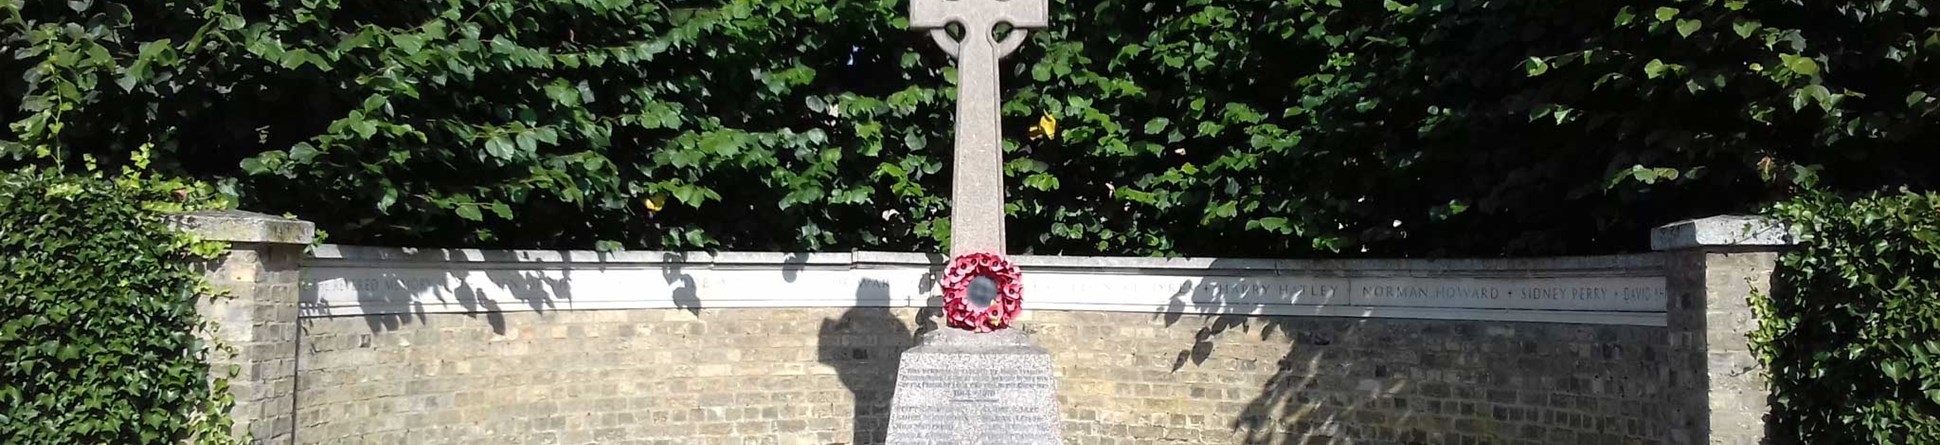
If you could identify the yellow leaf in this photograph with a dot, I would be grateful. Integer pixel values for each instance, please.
(1047, 127)
(655, 203)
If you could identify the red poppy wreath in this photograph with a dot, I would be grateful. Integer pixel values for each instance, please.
(982, 292)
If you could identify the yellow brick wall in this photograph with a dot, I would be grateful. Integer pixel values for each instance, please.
(824, 376)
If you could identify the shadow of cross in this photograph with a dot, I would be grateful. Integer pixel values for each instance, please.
(977, 182)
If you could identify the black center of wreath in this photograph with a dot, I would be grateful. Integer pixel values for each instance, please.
(982, 292)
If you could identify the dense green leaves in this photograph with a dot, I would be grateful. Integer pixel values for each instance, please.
(1235, 128)
(99, 336)
(1851, 337)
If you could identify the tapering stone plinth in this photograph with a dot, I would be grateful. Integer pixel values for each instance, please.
(960, 388)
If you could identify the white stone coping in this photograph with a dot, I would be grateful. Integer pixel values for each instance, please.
(244, 227)
(1720, 231)
(1641, 264)
(351, 280)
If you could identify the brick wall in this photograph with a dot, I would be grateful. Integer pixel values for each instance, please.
(824, 376)
(371, 345)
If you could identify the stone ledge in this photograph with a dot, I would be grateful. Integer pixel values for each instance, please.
(354, 280)
(331, 255)
(1720, 231)
(238, 226)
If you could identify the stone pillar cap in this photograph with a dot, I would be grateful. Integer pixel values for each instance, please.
(1720, 231)
(239, 226)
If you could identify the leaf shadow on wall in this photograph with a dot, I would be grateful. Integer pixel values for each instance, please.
(390, 298)
(865, 346)
(686, 295)
(1318, 389)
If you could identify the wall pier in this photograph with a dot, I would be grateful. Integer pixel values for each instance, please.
(258, 319)
(1717, 393)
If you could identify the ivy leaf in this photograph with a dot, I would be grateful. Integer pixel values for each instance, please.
(469, 212)
(1624, 17)
(302, 153)
(1666, 13)
(1645, 175)
(562, 93)
(696, 238)
(1744, 28)
(1805, 66)
(499, 147)
(527, 142)
(892, 170)
(1274, 224)
(375, 103)
(1893, 370)
(1812, 94)
(1156, 125)
(1210, 128)
(411, 44)
(915, 140)
(254, 165)
(1041, 181)
(389, 198)
(1685, 27)
(1535, 66)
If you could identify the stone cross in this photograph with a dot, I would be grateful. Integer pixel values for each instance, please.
(977, 185)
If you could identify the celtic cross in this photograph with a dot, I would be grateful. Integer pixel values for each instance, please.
(977, 184)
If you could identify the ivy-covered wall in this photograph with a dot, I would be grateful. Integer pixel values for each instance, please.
(100, 339)
(1851, 334)
(1216, 128)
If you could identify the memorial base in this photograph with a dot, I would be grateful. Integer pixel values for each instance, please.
(959, 387)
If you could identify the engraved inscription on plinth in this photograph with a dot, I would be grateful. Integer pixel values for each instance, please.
(988, 389)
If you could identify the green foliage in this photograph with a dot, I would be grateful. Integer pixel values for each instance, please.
(98, 327)
(1851, 337)
(1235, 128)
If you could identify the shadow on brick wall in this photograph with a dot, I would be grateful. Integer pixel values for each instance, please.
(864, 346)
(1328, 387)
(1402, 381)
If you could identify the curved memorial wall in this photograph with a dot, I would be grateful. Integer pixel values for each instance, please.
(463, 346)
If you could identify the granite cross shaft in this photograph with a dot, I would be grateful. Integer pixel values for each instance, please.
(977, 183)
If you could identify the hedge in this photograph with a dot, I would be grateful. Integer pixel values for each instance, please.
(98, 327)
(1851, 336)
(1199, 127)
